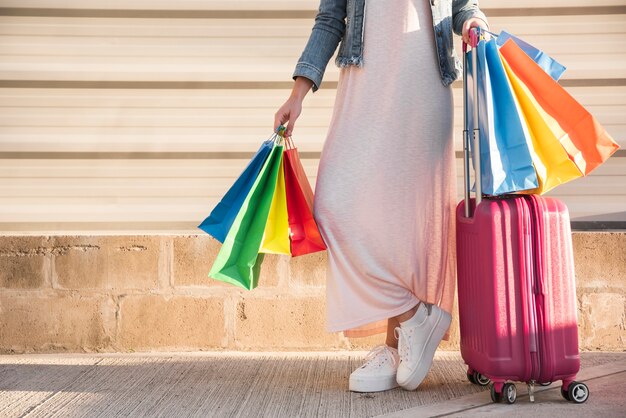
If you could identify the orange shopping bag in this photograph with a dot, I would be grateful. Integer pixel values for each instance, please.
(587, 143)
(551, 161)
(304, 235)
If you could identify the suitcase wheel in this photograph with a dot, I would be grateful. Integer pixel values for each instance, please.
(508, 394)
(470, 377)
(576, 392)
(509, 391)
(476, 378)
(495, 396)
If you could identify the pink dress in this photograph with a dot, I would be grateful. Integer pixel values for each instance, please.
(385, 191)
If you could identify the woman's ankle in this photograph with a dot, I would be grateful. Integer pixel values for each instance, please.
(408, 314)
(392, 342)
(394, 322)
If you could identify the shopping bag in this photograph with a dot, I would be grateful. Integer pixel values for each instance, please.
(548, 64)
(239, 261)
(305, 237)
(221, 218)
(585, 140)
(276, 236)
(506, 162)
(551, 162)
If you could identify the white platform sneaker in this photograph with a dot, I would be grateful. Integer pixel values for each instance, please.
(378, 373)
(418, 339)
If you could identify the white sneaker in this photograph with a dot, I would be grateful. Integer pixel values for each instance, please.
(378, 373)
(418, 339)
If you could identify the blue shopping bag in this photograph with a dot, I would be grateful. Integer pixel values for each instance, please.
(218, 223)
(547, 63)
(506, 162)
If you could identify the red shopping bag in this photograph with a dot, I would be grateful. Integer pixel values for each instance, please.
(304, 235)
(585, 140)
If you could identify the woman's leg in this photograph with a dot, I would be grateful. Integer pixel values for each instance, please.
(394, 322)
(380, 369)
(421, 331)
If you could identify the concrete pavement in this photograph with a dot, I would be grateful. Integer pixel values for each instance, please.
(304, 384)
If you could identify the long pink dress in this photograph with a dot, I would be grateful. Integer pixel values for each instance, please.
(385, 191)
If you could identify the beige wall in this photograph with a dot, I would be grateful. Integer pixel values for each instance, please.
(138, 114)
(151, 292)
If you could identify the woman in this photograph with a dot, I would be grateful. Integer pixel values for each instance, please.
(385, 191)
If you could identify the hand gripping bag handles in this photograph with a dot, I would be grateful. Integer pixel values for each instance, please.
(269, 209)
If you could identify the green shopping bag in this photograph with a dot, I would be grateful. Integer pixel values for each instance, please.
(239, 260)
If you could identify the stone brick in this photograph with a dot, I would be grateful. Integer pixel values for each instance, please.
(32, 321)
(274, 267)
(600, 259)
(149, 322)
(283, 324)
(194, 255)
(107, 262)
(22, 262)
(308, 270)
(602, 324)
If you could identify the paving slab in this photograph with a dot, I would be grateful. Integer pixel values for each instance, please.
(605, 382)
(239, 384)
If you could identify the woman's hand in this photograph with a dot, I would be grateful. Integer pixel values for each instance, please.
(473, 22)
(288, 112)
(291, 109)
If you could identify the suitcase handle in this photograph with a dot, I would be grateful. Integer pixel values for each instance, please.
(474, 37)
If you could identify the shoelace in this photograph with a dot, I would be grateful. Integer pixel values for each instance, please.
(379, 350)
(405, 349)
(404, 345)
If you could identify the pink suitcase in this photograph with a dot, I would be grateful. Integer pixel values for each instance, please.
(516, 287)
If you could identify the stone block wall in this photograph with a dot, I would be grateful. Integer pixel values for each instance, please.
(145, 293)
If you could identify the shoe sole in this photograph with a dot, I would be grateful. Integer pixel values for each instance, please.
(434, 338)
(377, 385)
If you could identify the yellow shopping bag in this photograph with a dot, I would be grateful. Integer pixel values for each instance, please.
(549, 156)
(276, 235)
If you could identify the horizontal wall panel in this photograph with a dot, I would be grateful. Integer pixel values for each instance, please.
(243, 5)
(102, 120)
(140, 169)
(233, 38)
(183, 169)
(263, 4)
(189, 210)
(545, 29)
(214, 187)
(172, 118)
(233, 50)
(110, 190)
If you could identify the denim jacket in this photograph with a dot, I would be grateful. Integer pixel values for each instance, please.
(342, 21)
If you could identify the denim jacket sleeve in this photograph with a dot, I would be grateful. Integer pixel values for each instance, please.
(327, 32)
(463, 10)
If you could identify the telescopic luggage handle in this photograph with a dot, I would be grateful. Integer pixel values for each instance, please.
(474, 37)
